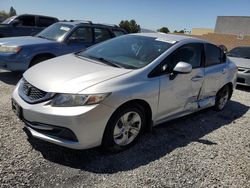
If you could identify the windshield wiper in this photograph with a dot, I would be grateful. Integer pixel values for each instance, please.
(42, 37)
(106, 61)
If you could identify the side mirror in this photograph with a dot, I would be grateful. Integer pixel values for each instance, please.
(72, 40)
(183, 68)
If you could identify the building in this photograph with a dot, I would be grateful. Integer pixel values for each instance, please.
(201, 31)
(233, 25)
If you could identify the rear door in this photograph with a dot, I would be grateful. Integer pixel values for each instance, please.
(181, 93)
(215, 70)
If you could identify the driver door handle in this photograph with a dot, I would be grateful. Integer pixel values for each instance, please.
(196, 78)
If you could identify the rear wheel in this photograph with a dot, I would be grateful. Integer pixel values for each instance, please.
(124, 128)
(38, 60)
(222, 98)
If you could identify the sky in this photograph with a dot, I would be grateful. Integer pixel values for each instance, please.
(149, 14)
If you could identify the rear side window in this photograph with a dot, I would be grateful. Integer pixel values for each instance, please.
(118, 33)
(213, 55)
(101, 34)
(45, 22)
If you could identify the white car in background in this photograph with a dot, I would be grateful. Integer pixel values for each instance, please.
(110, 93)
(241, 57)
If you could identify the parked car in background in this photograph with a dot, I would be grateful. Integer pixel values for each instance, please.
(20, 53)
(110, 93)
(25, 25)
(241, 57)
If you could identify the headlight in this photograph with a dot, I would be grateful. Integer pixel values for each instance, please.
(70, 100)
(10, 49)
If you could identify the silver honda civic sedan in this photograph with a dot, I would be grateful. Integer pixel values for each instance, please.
(110, 93)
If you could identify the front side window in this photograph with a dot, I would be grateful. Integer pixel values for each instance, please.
(129, 51)
(189, 53)
(26, 21)
(81, 35)
(55, 32)
(241, 52)
(101, 35)
(213, 55)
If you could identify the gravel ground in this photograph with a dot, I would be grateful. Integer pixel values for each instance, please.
(206, 149)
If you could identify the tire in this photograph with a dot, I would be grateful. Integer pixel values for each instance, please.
(222, 98)
(38, 60)
(124, 128)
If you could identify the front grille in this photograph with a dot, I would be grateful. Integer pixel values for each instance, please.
(244, 70)
(241, 69)
(241, 80)
(52, 130)
(31, 94)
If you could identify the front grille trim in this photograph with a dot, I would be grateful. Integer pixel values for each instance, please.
(32, 94)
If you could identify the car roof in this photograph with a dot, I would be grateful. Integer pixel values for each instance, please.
(36, 15)
(172, 37)
(83, 22)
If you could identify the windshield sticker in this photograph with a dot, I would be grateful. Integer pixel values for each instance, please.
(165, 40)
(64, 28)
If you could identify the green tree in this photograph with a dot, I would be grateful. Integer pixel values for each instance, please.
(130, 26)
(181, 31)
(12, 12)
(4, 14)
(163, 30)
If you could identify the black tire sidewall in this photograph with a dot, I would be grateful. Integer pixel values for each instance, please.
(108, 142)
(38, 60)
(218, 97)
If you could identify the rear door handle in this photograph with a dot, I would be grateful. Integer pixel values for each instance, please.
(196, 78)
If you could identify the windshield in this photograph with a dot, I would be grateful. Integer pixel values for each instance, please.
(242, 52)
(9, 20)
(55, 32)
(128, 51)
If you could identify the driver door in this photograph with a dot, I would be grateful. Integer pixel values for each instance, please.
(79, 39)
(179, 92)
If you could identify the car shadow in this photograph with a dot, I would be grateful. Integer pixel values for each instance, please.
(243, 88)
(152, 146)
(10, 78)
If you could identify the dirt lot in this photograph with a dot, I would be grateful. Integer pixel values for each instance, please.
(207, 149)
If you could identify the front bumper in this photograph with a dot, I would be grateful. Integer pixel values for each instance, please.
(13, 62)
(243, 78)
(87, 123)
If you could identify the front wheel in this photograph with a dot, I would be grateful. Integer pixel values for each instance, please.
(38, 60)
(124, 128)
(222, 98)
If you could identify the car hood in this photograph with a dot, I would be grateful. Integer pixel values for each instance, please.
(70, 74)
(241, 62)
(22, 41)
